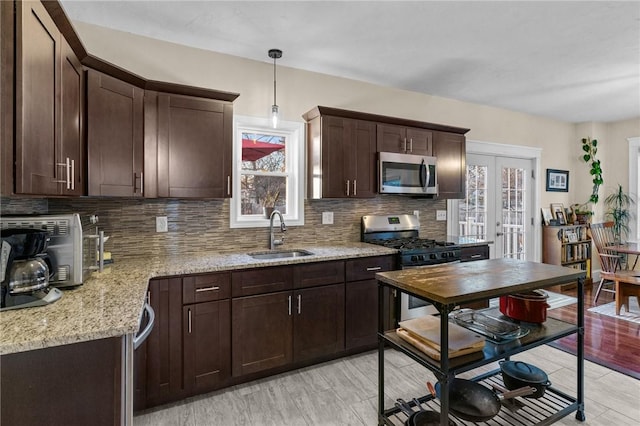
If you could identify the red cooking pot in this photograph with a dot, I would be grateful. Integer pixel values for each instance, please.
(529, 307)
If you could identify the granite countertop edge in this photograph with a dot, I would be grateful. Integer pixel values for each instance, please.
(110, 303)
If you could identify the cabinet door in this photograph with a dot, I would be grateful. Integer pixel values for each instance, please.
(37, 107)
(207, 346)
(262, 329)
(70, 159)
(450, 150)
(164, 344)
(114, 136)
(361, 165)
(335, 135)
(194, 147)
(361, 322)
(318, 328)
(420, 141)
(391, 138)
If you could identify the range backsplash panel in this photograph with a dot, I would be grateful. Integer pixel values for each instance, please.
(200, 226)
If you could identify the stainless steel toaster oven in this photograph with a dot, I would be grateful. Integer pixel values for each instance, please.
(76, 246)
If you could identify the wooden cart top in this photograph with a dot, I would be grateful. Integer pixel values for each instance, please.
(455, 283)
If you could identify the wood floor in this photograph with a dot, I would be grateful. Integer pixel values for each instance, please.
(344, 392)
(608, 341)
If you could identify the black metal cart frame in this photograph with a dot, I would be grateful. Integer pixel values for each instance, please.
(558, 403)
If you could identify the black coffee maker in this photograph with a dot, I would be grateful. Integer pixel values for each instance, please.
(25, 269)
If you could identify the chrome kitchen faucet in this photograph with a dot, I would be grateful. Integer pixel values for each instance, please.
(273, 242)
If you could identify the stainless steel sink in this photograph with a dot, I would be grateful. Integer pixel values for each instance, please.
(280, 254)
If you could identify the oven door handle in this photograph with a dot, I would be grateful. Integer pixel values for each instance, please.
(424, 175)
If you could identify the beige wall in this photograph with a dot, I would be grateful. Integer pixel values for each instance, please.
(299, 91)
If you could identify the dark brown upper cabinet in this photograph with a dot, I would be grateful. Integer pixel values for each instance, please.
(342, 147)
(450, 151)
(341, 157)
(404, 140)
(114, 136)
(188, 146)
(49, 106)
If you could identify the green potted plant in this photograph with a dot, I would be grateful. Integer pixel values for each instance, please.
(590, 149)
(618, 204)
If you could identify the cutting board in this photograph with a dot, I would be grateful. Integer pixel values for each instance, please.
(427, 329)
(432, 352)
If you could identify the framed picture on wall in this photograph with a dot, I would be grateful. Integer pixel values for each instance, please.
(557, 209)
(557, 180)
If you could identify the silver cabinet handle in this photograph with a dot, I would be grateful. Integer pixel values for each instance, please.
(135, 177)
(355, 189)
(228, 185)
(67, 166)
(212, 288)
(101, 250)
(411, 145)
(347, 188)
(189, 319)
(374, 268)
(289, 299)
(475, 256)
(405, 145)
(73, 175)
(142, 336)
(299, 304)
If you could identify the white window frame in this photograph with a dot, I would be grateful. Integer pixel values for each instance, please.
(634, 165)
(294, 152)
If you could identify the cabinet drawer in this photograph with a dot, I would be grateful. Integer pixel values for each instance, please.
(205, 288)
(315, 274)
(262, 280)
(367, 267)
(468, 254)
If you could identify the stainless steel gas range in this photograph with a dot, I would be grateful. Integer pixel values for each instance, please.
(401, 232)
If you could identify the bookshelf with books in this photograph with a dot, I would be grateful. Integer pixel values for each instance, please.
(569, 246)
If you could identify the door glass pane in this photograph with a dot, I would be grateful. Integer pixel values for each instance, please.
(513, 212)
(472, 211)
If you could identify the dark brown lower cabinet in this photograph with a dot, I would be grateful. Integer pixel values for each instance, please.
(262, 329)
(361, 321)
(77, 384)
(164, 344)
(362, 315)
(207, 346)
(318, 324)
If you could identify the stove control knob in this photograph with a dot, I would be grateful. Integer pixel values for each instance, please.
(432, 256)
(414, 258)
(420, 257)
(450, 254)
(443, 255)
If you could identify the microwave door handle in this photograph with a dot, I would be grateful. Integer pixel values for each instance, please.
(424, 175)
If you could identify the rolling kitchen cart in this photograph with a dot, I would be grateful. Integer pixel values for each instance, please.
(450, 285)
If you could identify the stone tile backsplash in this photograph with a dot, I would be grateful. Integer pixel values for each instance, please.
(197, 226)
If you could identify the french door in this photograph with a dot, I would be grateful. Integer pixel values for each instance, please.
(499, 204)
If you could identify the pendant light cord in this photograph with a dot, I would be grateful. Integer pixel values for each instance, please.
(274, 81)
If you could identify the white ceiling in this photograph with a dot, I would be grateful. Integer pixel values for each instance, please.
(574, 61)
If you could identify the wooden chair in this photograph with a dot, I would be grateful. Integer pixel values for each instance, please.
(602, 236)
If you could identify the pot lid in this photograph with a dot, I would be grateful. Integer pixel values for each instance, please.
(533, 295)
(523, 371)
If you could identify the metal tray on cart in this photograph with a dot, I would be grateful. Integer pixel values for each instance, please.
(497, 330)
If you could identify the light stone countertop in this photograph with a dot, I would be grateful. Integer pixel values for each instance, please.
(109, 303)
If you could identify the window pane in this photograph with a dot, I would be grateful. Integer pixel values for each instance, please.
(263, 191)
(263, 152)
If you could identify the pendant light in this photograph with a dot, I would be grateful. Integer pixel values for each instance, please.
(275, 54)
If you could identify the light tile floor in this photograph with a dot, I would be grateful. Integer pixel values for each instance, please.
(344, 392)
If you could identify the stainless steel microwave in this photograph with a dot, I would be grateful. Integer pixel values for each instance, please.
(407, 174)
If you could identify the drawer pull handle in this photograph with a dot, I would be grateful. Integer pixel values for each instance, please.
(299, 304)
(212, 288)
(189, 314)
(289, 300)
(476, 256)
(374, 268)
